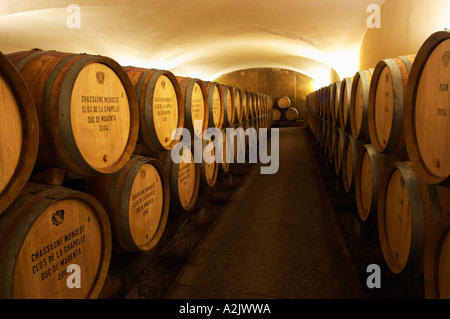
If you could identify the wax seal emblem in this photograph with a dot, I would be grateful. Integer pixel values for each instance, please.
(58, 217)
(445, 58)
(100, 77)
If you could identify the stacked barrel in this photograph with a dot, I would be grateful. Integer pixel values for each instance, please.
(388, 132)
(284, 111)
(87, 169)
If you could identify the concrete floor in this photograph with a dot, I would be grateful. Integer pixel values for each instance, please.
(277, 237)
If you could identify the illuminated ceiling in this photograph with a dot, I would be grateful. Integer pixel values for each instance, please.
(203, 39)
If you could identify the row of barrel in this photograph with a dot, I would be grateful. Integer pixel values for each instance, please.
(284, 111)
(77, 117)
(387, 132)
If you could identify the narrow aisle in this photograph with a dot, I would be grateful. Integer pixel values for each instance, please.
(277, 237)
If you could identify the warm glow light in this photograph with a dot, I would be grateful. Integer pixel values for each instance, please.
(346, 63)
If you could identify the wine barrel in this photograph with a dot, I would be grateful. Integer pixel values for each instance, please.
(224, 167)
(184, 179)
(407, 210)
(350, 154)
(216, 105)
(19, 133)
(137, 200)
(426, 113)
(47, 229)
(335, 100)
(344, 104)
(291, 114)
(238, 103)
(252, 103)
(209, 168)
(258, 104)
(87, 110)
(229, 106)
(284, 102)
(161, 108)
(339, 140)
(196, 107)
(370, 167)
(436, 281)
(277, 115)
(334, 134)
(386, 101)
(359, 104)
(245, 105)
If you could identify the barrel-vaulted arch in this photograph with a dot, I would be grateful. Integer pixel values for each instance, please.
(196, 38)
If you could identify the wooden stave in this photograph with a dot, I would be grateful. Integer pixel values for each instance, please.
(30, 133)
(56, 148)
(424, 52)
(19, 218)
(144, 81)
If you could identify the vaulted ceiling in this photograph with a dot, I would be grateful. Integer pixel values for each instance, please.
(196, 38)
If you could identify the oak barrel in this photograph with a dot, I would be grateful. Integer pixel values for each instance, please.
(224, 167)
(437, 252)
(137, 200)
(344, 104)
(19, 133)
(47, 229)
(284, 102)
(216, 105)
(350, 154)
(359, 105)
(386, 104)
(369, 170)
(196, 107)
(335, 100)
(291, 114)
(209, 168)
(426, 113)
(339, 139)
(245, 105)
(184, 178)
(87, 111)
(333, 135)
(238, 104)
(161, 108)
(277, 115)
(407, 211)
(229, 106)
